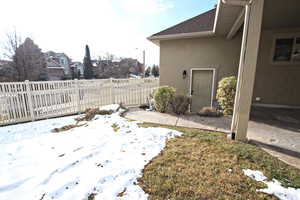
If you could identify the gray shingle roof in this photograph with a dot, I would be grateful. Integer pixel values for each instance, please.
(200, 23)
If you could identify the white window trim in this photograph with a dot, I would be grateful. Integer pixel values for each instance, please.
(284, 36)
(213, 81)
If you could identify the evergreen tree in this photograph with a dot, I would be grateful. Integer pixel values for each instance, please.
(87, 63)
(148, 72)
(155, 71)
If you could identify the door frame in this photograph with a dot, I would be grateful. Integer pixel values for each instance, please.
(213, 81)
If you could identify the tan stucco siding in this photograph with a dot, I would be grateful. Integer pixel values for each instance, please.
(185, 54)
(275, 84)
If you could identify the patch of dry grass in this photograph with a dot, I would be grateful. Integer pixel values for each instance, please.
(115, 127)
(89, 114)
(66, 128)
(204, 165)
(92, 196)
(121, 194)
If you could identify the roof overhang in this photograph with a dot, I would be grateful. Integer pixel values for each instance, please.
(156, 39)
(237, 2)
(228, 19)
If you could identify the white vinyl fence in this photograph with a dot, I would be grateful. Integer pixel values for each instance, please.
(28, 101)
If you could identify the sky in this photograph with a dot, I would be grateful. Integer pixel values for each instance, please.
(119, 27)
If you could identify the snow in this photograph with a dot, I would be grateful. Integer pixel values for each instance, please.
(39, 164)
(274, 187)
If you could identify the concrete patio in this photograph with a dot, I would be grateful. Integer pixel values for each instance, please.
(275, 130)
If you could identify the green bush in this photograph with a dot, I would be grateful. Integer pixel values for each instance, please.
(163, 96)
(226, 94)
(180, 104)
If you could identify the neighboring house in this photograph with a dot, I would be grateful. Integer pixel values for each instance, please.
(256, 40)
(7, 72)
(4, 62)
(77, 68)
(58, 65)
(122, 68)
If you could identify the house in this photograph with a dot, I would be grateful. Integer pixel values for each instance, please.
(4, 62)
(7, 72)
(256, 40)
(121, 68)
(77, 68)
(58, 65)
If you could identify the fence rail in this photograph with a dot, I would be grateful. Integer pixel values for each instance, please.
(28, 101)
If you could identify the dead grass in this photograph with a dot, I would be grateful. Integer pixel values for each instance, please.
(121, 194)
(66, 128)
(89, 114)
(115, 127)
(203, 165)
(3, 117)
(92, 196)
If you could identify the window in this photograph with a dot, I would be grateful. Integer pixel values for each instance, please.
(296, 55)
(287, 50)
(62, 61)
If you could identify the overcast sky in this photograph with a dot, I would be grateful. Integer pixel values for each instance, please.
(116, 26)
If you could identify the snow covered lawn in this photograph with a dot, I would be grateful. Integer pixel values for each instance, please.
(104, 157)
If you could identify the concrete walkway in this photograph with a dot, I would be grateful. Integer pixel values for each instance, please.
(278, 141)
(189, 121)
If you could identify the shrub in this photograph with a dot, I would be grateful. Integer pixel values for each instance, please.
(209, 112)
(180, 104)
(226, 94)
(163, 96)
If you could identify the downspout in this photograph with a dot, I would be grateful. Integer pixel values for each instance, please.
(247, 5)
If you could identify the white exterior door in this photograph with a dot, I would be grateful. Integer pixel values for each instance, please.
(201, 89)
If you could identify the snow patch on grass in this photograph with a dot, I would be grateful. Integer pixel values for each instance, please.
(39, 164)
(274, 187)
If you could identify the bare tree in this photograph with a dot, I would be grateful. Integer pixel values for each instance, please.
(10, 45)
(109, 56)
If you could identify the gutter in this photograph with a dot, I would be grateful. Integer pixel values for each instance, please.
(182, 35)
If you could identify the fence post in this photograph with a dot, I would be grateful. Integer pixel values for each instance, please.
(112, 94)
(77, 92)
(29, 96)
(141, 90)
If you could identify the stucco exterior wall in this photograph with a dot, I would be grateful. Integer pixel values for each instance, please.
(185, 54)
(274, 83)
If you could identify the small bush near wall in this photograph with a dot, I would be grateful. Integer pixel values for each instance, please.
(180, 104)
(226, 94)
(163, 96)
(209, 112)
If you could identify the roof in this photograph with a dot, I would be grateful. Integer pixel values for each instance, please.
(53, 64)
(201, 23)
(4, 62)
(54, 54)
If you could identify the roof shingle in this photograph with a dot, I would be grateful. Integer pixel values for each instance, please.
(200, 23)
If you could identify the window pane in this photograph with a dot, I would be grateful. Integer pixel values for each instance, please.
(283, 49)
(296, 54)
